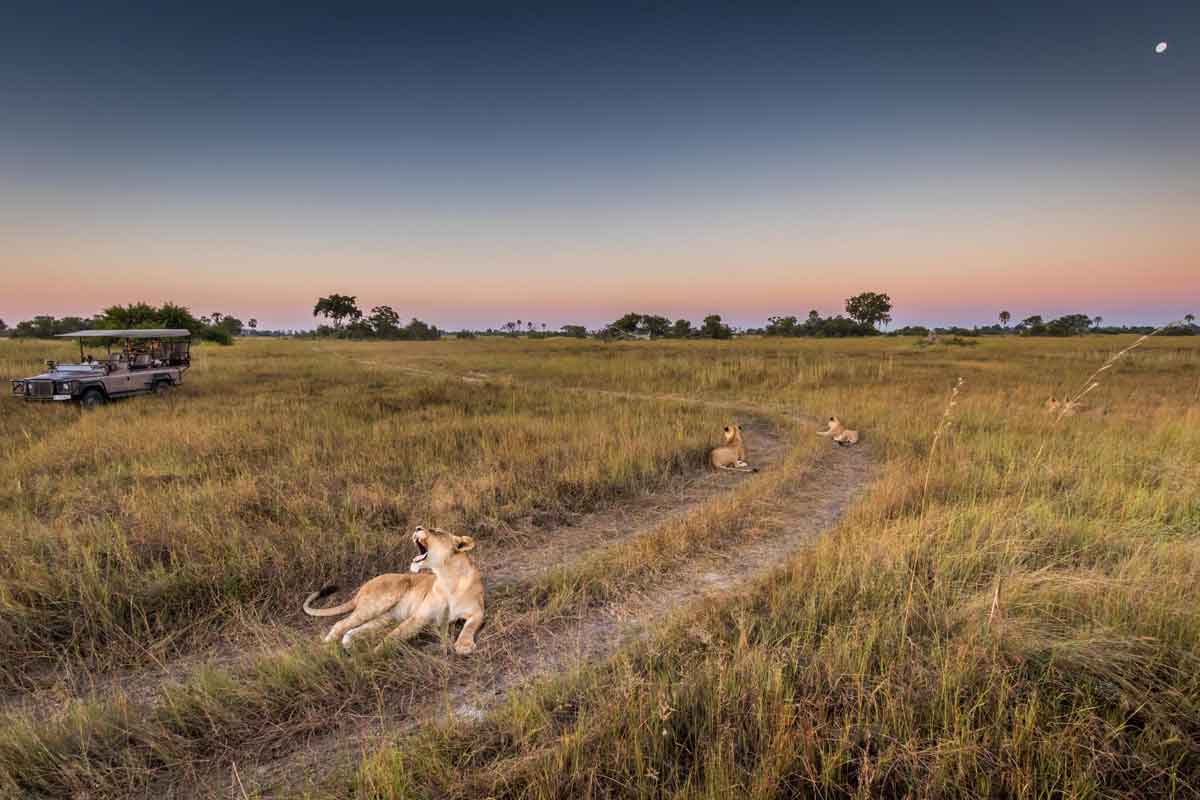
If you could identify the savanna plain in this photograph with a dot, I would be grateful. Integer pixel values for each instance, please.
(980, 599)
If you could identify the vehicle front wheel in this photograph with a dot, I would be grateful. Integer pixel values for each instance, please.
(93, 398)
(161, 387)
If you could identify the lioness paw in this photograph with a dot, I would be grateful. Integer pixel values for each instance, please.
(464, 648)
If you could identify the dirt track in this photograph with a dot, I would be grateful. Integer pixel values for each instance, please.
(518, 655)
(515, 649)
(812, 502)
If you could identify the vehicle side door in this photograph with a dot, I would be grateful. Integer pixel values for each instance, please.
(120, 383)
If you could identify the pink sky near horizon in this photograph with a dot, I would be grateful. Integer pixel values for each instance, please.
(952, 239)
(1121, 291)
(1128, 268)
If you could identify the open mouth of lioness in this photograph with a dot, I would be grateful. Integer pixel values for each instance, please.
(422, 551)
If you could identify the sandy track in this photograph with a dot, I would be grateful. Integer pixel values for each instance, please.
(541, 549)
(516, 653)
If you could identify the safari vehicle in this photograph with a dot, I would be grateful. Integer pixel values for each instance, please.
(137, 362)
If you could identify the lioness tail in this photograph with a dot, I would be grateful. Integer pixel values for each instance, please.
(326, 612)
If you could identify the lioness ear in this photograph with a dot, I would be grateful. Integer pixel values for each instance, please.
(463, 543)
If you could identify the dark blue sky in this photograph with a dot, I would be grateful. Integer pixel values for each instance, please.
(602, 154)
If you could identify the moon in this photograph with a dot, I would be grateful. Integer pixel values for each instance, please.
(1160, 48)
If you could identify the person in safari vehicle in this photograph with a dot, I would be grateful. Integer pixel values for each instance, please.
(148, 361)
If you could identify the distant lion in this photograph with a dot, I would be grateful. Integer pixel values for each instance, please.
(454, 591)
(731, 455)
(840, 433)
(1068, 408)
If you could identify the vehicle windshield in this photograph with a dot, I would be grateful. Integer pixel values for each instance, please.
(75, 367)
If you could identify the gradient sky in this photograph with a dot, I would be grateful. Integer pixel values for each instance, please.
(470, 164)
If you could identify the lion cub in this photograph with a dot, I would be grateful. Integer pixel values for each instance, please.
(840, 433)
(732, 454)
(454, 591)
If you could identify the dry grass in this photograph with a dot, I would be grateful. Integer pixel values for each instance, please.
(1078, 679)
(277, 467)
(1083, 685)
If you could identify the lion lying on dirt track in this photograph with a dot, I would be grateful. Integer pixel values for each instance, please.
(454, 591)
(840, 433)
(732, 454)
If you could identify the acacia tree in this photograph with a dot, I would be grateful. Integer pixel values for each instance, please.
(134, 315)
(628, 323)
(713, 328)
(1096, 321)
(869, 308)
(781, 326)
(1004, 318)
(253, 323)
(1188, 318)
(231, 324)
(385, 322)
(656, 326)
(337, 308)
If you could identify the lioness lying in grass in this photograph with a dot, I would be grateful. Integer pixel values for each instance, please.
(840, 433)
(1069, 408)
(732, 454)
(454, 591)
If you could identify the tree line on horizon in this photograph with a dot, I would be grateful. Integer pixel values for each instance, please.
(865, 312)
(1066, 325)
(215, 327)
(345, 319)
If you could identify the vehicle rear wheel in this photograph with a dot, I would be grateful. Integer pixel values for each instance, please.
(93, 398)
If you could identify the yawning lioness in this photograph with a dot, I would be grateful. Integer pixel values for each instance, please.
(454, 591)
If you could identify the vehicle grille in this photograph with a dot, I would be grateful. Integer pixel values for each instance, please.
(41, 388)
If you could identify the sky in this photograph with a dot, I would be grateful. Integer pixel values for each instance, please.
(471, 164)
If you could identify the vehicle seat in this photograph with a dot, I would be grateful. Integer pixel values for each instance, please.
(140, 361)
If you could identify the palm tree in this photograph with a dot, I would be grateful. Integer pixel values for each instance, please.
(1096, 321)
(1004, 318)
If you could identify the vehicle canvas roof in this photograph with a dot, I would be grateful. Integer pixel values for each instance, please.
(136, 333)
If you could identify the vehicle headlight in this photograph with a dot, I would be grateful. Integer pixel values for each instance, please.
(63, 388)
